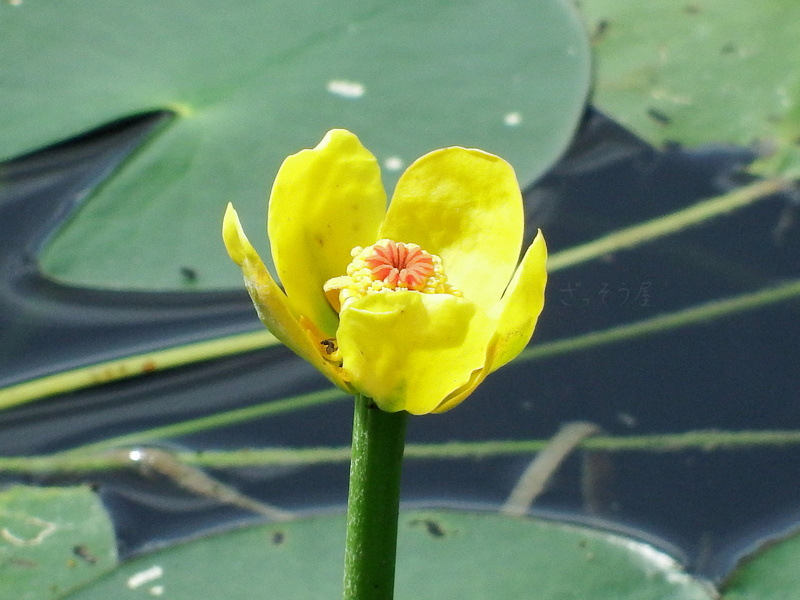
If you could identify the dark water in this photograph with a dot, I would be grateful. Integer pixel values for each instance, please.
(736, 373)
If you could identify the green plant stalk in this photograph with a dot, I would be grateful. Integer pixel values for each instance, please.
(70, 463)
(132, 366)
(218, 420)
(694, 315)
(373, 501)
(676, 222)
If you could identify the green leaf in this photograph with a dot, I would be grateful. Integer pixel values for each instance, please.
(702, 72)
(770, 573)
(52, 541)
(442, 554)
(251, 81)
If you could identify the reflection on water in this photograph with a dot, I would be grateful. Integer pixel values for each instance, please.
(736, 373)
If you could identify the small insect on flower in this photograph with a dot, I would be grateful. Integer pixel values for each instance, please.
(329, 345)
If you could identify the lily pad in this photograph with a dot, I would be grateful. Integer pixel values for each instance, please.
(770, 573)
(442, 554)
(701, 72)
(52, 541)
(248, 82)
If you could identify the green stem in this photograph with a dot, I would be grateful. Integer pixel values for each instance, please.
(132, 366)
(78, 464)
(217, 420)
(694, 315)
(649, 231)
(373, 501)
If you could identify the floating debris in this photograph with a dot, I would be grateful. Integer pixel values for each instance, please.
(346, 89)
(139, 579)
(393, 163)
(512, 119)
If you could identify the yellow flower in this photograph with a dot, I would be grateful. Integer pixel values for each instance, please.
(412, 306)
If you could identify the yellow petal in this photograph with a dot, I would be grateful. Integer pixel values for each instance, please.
(457, 397)
(464, 205)
(518, 311)
(324, 202)
(409, 351)
(271, 303)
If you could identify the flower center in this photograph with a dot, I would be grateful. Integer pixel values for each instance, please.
(388, 266)
(400, 265)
